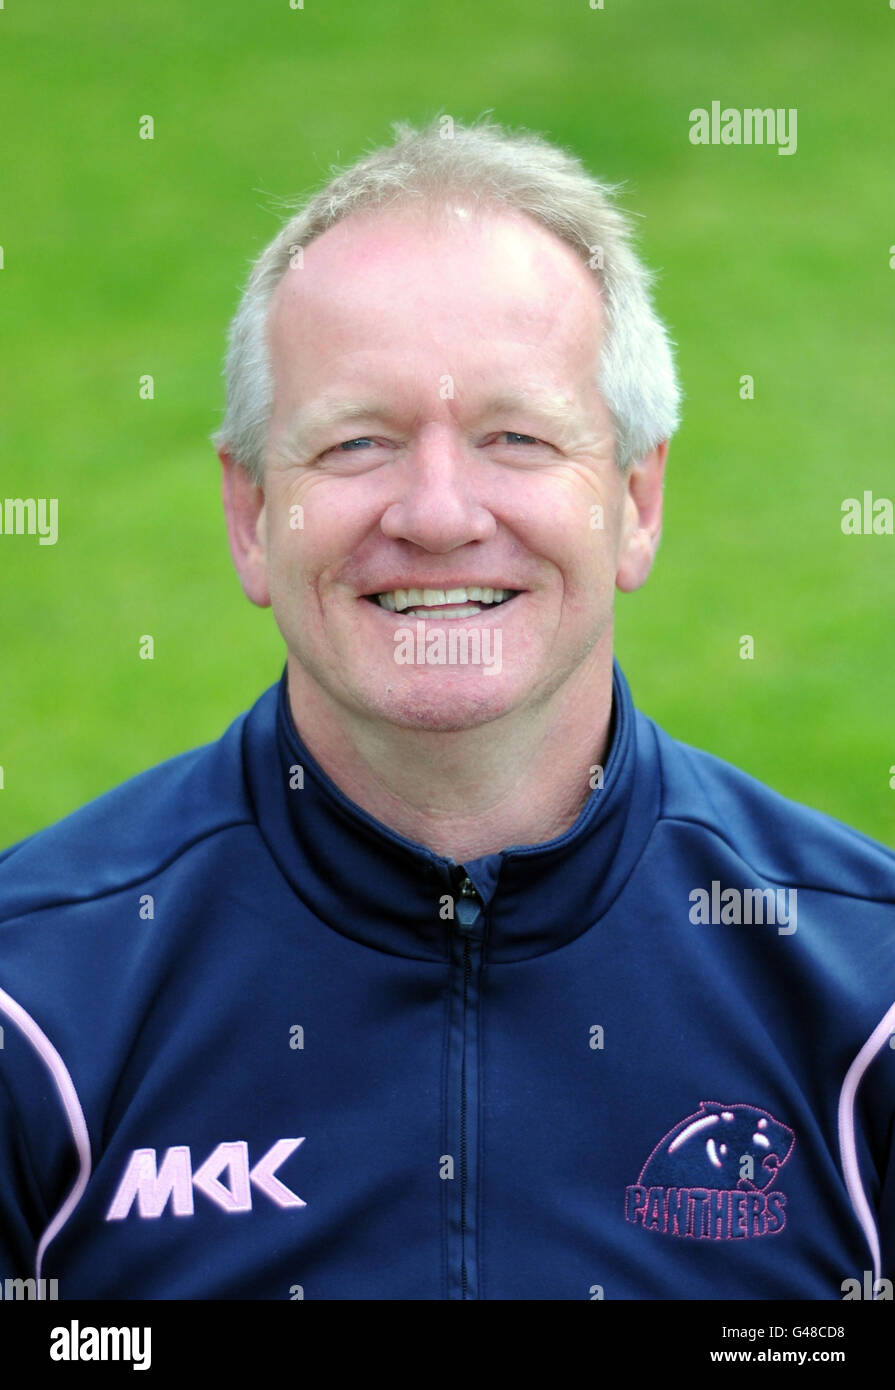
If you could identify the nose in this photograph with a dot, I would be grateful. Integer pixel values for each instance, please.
(437, 507)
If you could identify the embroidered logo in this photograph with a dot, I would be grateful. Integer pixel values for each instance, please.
(152, 1188)
(712, 1176)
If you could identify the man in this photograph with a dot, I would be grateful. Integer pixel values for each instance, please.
(445, 973)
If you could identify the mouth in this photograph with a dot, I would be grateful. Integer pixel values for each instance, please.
(462, 601)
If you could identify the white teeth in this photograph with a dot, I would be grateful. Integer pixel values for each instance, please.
(467, 611)
(400, 599)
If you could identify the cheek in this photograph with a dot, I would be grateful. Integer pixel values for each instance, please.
(293, 567)
(339, 516)
(306, 537)
(582, 548)
(572, 519)
(288, 552)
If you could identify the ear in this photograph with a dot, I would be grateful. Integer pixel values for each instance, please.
(246, 528)
(642, 521)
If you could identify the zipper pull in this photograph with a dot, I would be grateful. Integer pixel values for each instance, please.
(468, 908)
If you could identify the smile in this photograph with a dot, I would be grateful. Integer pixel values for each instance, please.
(459, 602)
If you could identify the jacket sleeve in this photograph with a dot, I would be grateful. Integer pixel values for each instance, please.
(886, 1208)
(22, 1213)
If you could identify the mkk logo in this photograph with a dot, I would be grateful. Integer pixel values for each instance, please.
(710, 1177)
(174, 1181)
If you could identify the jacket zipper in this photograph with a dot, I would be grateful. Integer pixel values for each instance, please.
(469, 916)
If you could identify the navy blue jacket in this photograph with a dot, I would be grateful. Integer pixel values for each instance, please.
(257, 1045)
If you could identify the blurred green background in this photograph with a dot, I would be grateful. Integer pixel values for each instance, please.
(124, 256)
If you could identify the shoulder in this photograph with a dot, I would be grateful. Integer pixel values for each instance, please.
(130, 832)
(781, 839)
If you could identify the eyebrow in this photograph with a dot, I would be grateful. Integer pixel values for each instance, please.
(308, 423)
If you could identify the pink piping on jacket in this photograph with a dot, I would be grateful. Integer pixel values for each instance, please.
(73, 1113)
(847, 1146)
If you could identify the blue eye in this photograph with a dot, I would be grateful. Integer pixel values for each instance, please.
(361, 439)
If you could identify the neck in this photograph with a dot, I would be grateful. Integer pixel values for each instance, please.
(521, 779)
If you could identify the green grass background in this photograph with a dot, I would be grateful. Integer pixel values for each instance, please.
(125, 257)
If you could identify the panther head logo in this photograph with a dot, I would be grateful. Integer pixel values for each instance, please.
(708, 1149)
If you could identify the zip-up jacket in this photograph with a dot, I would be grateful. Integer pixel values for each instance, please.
(258, 1045)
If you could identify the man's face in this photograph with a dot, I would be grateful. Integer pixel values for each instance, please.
(472, 450)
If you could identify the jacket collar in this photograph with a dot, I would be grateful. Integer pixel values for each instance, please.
(375, 886)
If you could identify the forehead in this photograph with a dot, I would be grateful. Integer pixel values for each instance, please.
(447, 282)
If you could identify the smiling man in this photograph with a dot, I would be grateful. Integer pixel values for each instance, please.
(478, 451)
(505, 993)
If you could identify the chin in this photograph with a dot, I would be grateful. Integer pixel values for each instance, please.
(443, 711)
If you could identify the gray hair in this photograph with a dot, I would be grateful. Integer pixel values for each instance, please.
(521, 171)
